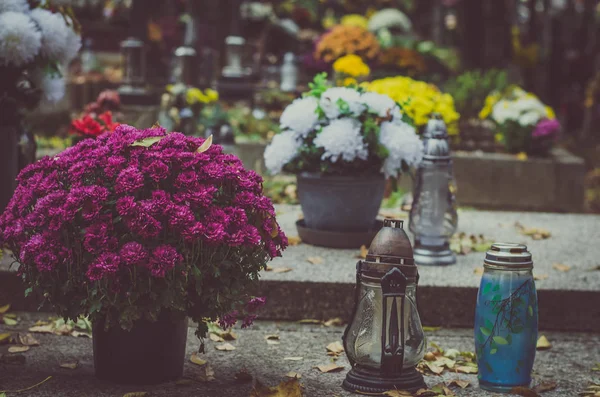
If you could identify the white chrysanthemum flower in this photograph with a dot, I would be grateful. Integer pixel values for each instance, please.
(342, 139)
(389, 18)
(55, 33)
(301, 115)
(20, 39)
(330, 98)
(282, 149)
(73, 43)
(53, 87)
(14, 5)
(504, 110)
(529, 118)
(380, 104)
(403, 144)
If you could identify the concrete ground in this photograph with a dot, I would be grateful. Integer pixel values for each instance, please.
(568, 363)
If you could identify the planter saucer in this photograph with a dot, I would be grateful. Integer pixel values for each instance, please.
(332, 239)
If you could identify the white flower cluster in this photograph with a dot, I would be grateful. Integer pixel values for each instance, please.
(340, 133)
(526, 109)
(342, 139)
(26, 34)
(389, 18)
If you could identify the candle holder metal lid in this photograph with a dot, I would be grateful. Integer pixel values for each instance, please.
(384, 340)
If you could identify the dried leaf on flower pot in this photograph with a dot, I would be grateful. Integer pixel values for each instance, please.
(18, 349)
(225, 347)
(68, 365)
(197, 360)
(28, 340)
(560, 267)
(315, 260)
(332, 367)
(543, 343)
(288, 388)
(293, 374)
(282, 269)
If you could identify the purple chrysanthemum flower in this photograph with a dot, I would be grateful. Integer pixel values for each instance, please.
(129, 180)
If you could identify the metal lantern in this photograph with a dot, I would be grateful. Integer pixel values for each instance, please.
(235, 46)
(433, 217)
(133, 90)
(384, 341)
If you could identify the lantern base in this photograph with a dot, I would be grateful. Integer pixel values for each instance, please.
(366, 381)
(433, 256)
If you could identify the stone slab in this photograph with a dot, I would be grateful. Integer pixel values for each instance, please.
(568, 363)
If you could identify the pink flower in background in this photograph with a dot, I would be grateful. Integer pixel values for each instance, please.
(546, 128)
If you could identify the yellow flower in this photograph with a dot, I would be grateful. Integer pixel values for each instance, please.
(354, 20)
(195, 95)
(349, 81)
(212, 95)
(351, 65)
(550, 113)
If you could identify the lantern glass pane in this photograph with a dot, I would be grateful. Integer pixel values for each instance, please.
(365, 333)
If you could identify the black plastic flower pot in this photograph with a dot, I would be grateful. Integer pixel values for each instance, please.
(151, 353)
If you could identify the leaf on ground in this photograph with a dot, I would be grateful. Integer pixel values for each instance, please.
(272, 337)
(293, 374)
(434, 368)
(228, 335)
(334, 322)
(77, 334)
(288, 388)
(10, 321)
(524, 391)
(4, 338)
(64, 329)
(315, 260)
(533, 232)
(561, 268)
(466, 369)
(545, 386)
(225, 347)
(243, 376)
(543, 343)
(478, 271)
(293, 358)
(426, 393)
(463, 384)
(335, 347)
(215, 338)
(462, 243)
(197, 360)
(204, 373)
(397, 393)
(282, 269)
(309, 321)
(18, 349)
(293, 240)
(4, 309)
(205, 145)
(184, 382)
(363, 252)
(332, 367)
(69, 365)
(431, 329)
(594, 368)
(540, 277)
(429, 356)
(136, 394)
(28, 340)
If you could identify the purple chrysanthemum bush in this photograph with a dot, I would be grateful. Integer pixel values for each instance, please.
(138, 221)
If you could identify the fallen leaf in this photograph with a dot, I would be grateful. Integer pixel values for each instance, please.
(77, 334)
(332, 367)
(335, 348)
(18, 349)
(204, 373)
(452, 353)
(429, 356)
(243, 376)
(268, 268)
(315, 260)
(309, 321)
(288, 388)
(184, 382)
(64, 329)
(136, 394)
(293, 358)
(434, 368)
(426, 393)
(363, 252)
(431, 329)
(197, 360)
(205, 145)
(540, 277)
(543, 343)
(273, 342)
(282, 269)
(334, 322)
(397, 393)
(560, 267)
(596, 367)
(28, 340)
(545, 386)
(465, 369)
(228, 335)
(293, 240)
(522, 156)
(524, 391)
(293, 374)
(10, 321)
(4, 309)
(225, 347)
(216, 338)
(4, 338)
(147, 142)
(69, 365)
(463, 384)
(478, 271)
(272, 337)
(533, 232)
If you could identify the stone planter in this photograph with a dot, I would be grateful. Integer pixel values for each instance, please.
(502, 181)
(340, 203)
(151, 353)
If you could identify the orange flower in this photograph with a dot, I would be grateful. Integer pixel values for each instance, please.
(344, 40)
(404, 58)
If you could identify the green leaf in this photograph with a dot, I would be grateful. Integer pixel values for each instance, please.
(147, 142)
(530, 311)
(485, 331)
(488, 324)
(500, 340)
(493, 351)
(10, 321)
(486, 288)
(496, 287)
(497, 298)
(2, 394)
